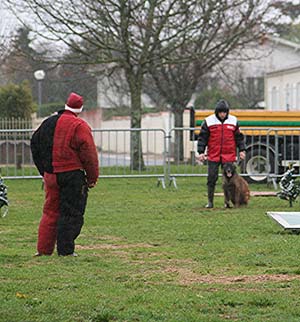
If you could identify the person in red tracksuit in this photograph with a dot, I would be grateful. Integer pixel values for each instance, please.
(220, 134)
(65, 154)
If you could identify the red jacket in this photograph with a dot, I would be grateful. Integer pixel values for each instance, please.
(64, 142)
(74, 147)
(221, 139)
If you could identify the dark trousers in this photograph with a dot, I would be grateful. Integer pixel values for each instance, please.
(73, 192)
(213, 172)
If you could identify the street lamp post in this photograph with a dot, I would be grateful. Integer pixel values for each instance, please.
(39, 75)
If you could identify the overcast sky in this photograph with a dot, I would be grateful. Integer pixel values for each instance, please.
(7, 22)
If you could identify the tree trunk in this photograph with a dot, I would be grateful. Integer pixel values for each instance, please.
(136, 149)
(178, 147)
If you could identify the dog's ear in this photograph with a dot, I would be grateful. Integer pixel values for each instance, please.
(224, 165)
(234, 165)
(234, 171)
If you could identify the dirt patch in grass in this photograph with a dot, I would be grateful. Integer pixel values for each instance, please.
(184, 275)
(187, 277)
(255, 194)
(110, 238)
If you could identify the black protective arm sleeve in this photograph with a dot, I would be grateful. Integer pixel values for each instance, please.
(203, 138)
(240, 139)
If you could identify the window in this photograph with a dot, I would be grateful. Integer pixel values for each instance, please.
(288, 97)
(298, 96)
(274, 98)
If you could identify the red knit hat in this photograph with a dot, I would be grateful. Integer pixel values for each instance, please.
(74, 103)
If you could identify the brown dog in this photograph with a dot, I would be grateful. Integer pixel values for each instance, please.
(235, 187)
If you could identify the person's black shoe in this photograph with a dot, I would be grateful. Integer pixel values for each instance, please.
(209, 205)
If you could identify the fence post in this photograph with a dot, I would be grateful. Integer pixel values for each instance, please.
(168, 177)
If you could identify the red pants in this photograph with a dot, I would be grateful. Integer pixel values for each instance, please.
(48, 225)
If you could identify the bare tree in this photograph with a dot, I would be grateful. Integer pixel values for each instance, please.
(176, 83)
(6, 39)
(219, 35)
(248, 90)
(137, 34)
(289, 27)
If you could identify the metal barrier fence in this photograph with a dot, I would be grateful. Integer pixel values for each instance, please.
(15, 155)
(15, 123)
(269, 152)
(166, 155)
(116, 155)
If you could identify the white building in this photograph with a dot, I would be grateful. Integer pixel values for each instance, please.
(282, 89)
(251, 64)
(272, 53)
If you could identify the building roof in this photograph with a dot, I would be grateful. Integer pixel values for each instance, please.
(290, 44)
(284, 42)
(286, 70)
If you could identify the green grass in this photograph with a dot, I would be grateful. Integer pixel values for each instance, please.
(149, 254)
(30, 171)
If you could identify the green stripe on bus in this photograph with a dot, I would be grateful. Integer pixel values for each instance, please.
(269, 123)
(262, 123)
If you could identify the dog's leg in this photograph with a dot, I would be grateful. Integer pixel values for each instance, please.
(237, 197)
(226, 198)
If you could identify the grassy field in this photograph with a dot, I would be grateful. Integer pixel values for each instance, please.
(149, 254)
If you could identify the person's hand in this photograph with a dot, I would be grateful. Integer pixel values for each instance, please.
(92, 185)
(202, 157)
(242, 155)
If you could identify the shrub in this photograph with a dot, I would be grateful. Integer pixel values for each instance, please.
(16, 101)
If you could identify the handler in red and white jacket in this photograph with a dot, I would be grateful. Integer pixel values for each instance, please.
(65, 154)
(220, 134)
